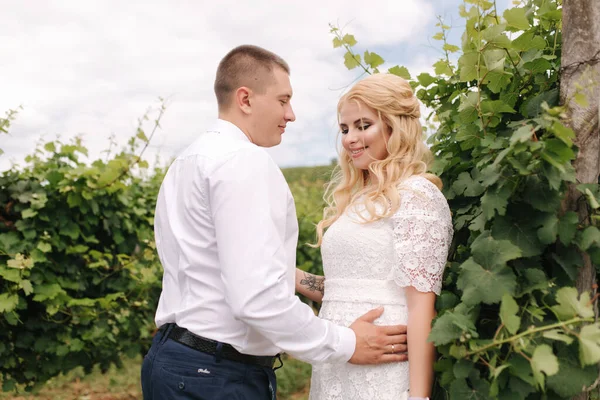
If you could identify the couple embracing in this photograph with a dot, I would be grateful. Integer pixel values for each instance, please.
(226, 233)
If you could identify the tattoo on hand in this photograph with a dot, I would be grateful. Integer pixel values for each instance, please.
(314, 283)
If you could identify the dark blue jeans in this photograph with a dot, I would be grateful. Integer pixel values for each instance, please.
(173, 371)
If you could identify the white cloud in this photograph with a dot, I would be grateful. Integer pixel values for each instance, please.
(93, 67)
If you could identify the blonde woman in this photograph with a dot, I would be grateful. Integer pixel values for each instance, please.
(384, 240)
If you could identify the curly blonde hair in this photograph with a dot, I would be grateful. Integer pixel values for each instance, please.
(392, 99)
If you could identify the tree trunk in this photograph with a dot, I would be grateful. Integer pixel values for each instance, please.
(581, 67)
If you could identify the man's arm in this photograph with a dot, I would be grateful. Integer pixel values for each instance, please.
(249, 206)
(310, 285)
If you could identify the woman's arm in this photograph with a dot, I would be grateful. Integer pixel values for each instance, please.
(421, 353)
(309, 285)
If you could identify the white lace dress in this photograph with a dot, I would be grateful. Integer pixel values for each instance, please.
(369, 264)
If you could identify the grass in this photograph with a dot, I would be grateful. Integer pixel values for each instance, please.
(124, 384)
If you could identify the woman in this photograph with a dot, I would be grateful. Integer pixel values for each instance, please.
(388, 233)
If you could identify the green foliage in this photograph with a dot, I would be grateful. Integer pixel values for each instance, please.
(510, 324)
(308, 186)
(79, 276)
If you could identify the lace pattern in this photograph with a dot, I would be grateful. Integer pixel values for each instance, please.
(422, 236)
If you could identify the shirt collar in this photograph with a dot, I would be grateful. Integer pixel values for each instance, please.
(228, 129)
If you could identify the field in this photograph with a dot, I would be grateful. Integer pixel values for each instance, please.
(124, 384)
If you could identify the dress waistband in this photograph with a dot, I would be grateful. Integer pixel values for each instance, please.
(364, 291)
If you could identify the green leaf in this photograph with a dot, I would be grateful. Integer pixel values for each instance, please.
(589, 237)
(523, 134)
(337, 42)
(49, 147)
(589, 344)
(540, 197)
(44, 247)
(559, 335)
(561, 152)
(465, 184)
(495, 107)
(497, 82)
(443, 67)
(11, 275)
(490, 252)
(494, 200)
(351, 61)
(425, 79)
(349, 40)
(543, 361)
(508, 313)
(480, 285)
(520, 367)
(8, 302)
(71, 230)
(82, 302)
(438, 36)
(450, 48)
(373, 59)
(538, 66)
(516, 18)
(549, 230)
(28, 213)
(567, 227)
(449, 327)
(47, 292)
(563, 132)
(571, 305)
(528, 41)
(494, 59)
(490, 175)
(463, 368)
(569, 259)
(141, 135)
(26, 286)
(468, 65)
(402, 72)
(534, 280)
(571, 377)
(591, 199)
(535, 105)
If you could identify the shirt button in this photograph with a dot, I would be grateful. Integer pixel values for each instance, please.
(181, 385)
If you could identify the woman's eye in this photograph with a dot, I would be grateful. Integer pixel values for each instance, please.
(344, 131)
(364, 127)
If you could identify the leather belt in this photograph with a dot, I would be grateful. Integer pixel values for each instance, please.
(209, 346)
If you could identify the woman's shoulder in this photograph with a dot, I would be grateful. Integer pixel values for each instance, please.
(419, 193)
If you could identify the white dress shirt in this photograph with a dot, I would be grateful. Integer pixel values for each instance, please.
(226, 233)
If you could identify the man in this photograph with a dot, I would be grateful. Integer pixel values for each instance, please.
(226, 233)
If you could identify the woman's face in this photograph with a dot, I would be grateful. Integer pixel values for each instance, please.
(364, 136)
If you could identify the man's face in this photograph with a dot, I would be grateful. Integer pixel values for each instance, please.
(272, 110)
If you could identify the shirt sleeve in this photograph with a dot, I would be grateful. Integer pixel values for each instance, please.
(422, 236)
(249, 203)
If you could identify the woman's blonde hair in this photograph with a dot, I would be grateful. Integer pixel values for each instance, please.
(392, 99)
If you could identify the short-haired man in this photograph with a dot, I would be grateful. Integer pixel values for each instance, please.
(226, 233)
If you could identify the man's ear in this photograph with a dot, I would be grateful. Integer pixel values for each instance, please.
(242, 99)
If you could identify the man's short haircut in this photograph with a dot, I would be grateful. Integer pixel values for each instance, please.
(246, 65)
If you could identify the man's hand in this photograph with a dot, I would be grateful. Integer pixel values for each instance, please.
(378, 344)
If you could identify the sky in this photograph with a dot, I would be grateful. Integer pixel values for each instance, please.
(92, 68)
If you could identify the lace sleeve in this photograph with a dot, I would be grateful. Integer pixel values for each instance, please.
(422, 236)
